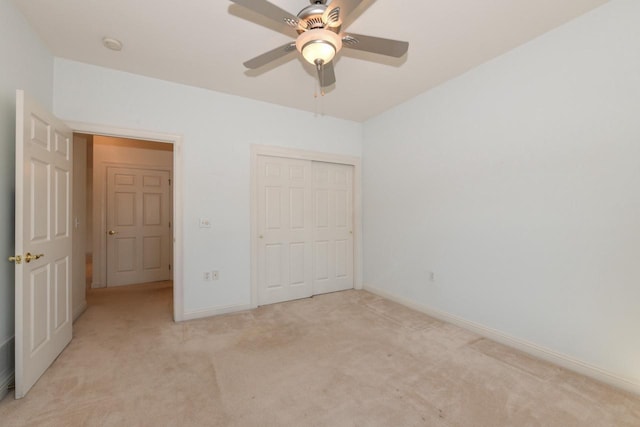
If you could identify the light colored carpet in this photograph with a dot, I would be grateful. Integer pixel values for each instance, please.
(344, 359)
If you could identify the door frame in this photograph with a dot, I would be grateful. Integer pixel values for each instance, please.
(294, 153)
(177, 187)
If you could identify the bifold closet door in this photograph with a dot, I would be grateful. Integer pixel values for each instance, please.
(333, 227)
(284, 230)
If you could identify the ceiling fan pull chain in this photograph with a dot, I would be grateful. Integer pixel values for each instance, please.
(320, 69)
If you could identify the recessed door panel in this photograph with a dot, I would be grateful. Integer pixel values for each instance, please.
(297, 264)
(40, 307)
(125, 254)
(121, 179)
(342, 258)
(341, 212)
(61, 293)
(39, 219)
(272, 170)
(322, 260)
(297, 208)
(62, 145)
(322, 208)
(151, 181)
(296, 174)
(61, 202)
(40, 132)
(273, 263)
(152, 252)
(125, 209)
(273, 207)
(152, 209)
(321, 174)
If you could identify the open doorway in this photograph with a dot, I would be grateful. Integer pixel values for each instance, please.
(123, 213)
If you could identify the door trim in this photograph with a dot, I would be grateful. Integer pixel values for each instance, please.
(178, 182)
(292, 153)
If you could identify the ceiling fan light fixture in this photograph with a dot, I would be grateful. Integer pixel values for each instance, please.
(318, 45)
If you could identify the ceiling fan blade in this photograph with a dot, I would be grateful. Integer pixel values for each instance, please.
(345, 8)
(378, 45)
(270, 10)
(326, 74)
(270, 56)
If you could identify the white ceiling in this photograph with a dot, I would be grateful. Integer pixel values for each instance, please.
(204, 43)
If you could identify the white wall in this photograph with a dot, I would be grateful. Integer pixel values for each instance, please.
(26, 64)
(218, 130)
(518, 185)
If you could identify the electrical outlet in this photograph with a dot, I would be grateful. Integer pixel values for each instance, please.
(206, 276)
(205, 223)
(215, 275)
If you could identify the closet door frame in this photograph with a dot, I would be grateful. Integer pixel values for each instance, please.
(291, 153)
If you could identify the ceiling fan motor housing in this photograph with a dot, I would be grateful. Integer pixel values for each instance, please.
(312, 15)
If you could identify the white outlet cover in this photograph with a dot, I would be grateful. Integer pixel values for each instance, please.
(205, 223)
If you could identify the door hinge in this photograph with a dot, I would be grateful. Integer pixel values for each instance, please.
(169, 181)
(169, 224)
(169, 267)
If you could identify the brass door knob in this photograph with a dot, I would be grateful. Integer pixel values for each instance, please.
(17, 259)
(112, 232)
(28, 257)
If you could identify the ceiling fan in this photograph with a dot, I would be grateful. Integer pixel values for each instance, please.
(320, 36)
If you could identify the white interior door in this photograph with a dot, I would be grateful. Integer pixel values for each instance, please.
(333, 227)
(42, 241)
(305, 228)
(284, 228)
(138, 226)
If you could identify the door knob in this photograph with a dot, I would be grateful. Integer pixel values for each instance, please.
(28, 257)
(112, 232)
(17, 259)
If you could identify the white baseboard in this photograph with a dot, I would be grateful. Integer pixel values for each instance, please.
(77, 311)
(540, 352)
(6, 365)
(199, 314)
